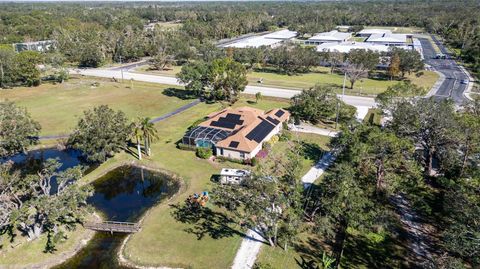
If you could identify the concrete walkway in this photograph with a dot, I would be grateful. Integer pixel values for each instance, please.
(305, 128)
(318, 169)
(248, 251)
(251, 244)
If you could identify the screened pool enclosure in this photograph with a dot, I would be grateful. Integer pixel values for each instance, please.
(204, 137)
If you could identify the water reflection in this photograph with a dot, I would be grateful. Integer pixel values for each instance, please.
(121, 195)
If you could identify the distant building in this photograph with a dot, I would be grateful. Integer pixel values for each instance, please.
(237, 133)
(343, 28)
(40, 46)
(332, 36)
(369, 32)
(346, 47)
(233, 176)
(271, 40)
(388, 39)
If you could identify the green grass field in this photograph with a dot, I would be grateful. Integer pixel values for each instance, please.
(321, 75)
(398, 29)
(163, 240)
(58, 107)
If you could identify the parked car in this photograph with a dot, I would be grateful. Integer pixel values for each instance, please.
(465, 81)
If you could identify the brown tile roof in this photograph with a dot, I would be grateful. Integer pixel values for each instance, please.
(242, 121)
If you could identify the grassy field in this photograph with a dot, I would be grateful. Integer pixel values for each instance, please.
(399, 30)
(361, 251)
(321, 75)
(163, 240)
(58, 107)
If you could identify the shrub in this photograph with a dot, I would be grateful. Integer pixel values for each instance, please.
(186, 147)
(254, 161)
(285, 136)
(204, 153)
(262, 154)
(273, 140)
(267, 146)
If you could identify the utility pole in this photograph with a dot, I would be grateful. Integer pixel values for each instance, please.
(338, 103)
(121, 67)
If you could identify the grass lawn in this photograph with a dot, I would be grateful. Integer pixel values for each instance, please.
(399, 30)
(166, 241)
(58, 107)
(312, 147)
(361, 251)
(33, 252)
(321, 75)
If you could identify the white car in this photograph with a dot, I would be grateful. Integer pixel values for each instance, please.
(465, 81)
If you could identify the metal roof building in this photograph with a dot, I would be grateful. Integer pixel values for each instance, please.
(332, 36)
(388, 39)
(346, 47)
(369, 32)
(268, 40)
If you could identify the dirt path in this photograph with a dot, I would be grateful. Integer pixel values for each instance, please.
(417, 234)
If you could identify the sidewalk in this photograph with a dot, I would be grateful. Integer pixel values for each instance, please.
(304, 128)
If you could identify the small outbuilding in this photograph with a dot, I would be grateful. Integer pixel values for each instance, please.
(233, 176)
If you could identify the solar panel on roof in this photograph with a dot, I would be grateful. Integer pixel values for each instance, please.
(279, 113)
(233, 144)
(260, 131)
(229, 121)
(272, 120)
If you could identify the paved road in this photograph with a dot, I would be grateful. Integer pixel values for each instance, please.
(361, 103)
(452, 87)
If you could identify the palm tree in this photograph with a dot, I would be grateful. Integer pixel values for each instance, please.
(138, 134)
(149, 134)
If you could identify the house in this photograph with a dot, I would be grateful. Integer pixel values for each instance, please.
(237, 133)
(233, 176)
(328, 37)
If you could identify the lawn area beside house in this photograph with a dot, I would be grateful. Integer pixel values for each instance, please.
(58, 107)
(168, 242)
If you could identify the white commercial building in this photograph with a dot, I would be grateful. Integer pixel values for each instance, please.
(388, 39)
(369, 32)
(273, 39)
(328, 37)
(346, 47)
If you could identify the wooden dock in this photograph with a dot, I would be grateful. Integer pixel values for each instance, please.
(113, 226)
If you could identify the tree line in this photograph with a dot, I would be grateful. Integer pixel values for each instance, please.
(37, 197)
(96, 33)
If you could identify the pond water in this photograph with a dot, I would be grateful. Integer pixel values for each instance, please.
(122, 194)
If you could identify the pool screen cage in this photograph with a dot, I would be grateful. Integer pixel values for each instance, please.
(201, 136)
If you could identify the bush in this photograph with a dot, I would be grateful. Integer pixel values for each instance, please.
(274, 140)
(285, 136)
(186, 147)
(254, 161)
(204, 153)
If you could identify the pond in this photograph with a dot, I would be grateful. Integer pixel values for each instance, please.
(122, 194)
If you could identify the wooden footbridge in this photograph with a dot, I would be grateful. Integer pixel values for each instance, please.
(113, 226)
